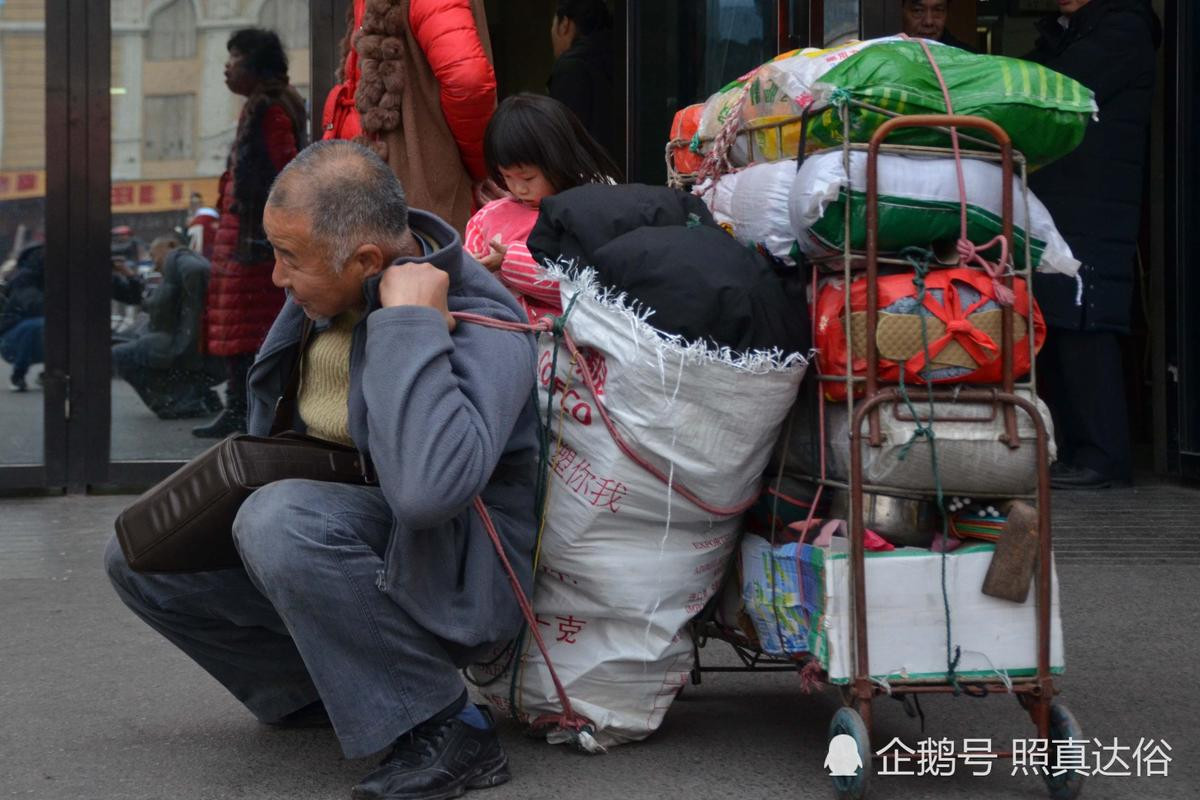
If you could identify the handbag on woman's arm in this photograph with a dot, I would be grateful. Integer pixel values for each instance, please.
(185, 522)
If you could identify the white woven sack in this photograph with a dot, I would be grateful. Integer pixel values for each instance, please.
(625, 561)
(908, 187)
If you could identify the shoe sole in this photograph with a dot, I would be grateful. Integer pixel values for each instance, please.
(487, 776)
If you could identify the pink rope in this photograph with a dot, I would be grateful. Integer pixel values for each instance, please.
(717, 163)
(816, 363)
(569, 718)
(968, 253)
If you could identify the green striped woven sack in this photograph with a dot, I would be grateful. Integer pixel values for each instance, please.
(1044, 112)
(918, 205)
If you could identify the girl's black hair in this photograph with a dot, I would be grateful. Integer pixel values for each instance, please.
(264, 54)
(540, 131)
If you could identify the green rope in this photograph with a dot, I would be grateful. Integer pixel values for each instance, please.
(546, 427)
(840, 96)
(920, 259)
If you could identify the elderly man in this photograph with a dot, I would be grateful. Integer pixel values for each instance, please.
(364, 602)
(926, 19)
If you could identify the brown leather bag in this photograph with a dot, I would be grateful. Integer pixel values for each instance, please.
(185, 522)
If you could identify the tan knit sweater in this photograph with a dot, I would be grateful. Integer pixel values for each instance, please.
(325, 381)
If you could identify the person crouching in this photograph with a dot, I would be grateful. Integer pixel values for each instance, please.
(364, 602)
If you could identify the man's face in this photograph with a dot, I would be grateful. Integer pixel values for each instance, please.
(1069, 7)
(303, 268)
(926, 18)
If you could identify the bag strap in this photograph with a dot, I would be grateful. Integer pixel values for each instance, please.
(285, 406)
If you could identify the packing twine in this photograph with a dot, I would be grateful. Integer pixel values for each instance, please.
(920, 259)
(579, 728)
(968, 253)
(717, 163)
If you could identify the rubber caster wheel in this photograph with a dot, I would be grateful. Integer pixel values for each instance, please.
(849, 757)
(1068, 785)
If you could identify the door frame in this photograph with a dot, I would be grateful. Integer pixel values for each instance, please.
(77, 400)
(76, 221)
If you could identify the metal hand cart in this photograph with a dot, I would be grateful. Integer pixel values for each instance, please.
(1036, 694)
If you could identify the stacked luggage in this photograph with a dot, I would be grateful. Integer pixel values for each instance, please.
(918, 452)
(681, 392)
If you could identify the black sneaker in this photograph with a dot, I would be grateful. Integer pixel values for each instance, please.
(437, 760)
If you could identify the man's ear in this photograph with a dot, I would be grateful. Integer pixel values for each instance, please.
(369, 260)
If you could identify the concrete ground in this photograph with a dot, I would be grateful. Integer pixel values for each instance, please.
(95, 705)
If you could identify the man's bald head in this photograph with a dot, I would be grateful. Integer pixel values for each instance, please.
(349, 196)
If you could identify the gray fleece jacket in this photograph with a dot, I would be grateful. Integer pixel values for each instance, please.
(443, 418)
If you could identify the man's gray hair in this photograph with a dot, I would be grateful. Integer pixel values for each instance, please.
(350, 195)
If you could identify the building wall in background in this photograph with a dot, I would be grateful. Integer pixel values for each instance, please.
(146, 33)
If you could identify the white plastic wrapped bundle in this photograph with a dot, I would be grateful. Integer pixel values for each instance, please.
(752, 204)
(918, 204)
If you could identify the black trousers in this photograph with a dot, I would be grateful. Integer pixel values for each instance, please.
(1082, 381)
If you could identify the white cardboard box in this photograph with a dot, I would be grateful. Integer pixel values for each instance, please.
(906, 618)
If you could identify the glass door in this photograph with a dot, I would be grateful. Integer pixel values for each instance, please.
(680, 52)
(175, 124)
(24, 404)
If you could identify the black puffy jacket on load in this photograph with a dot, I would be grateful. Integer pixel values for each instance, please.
(1095, 192)
(662, 248)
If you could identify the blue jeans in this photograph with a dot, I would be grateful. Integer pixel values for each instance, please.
(23, 345)
(304, 619)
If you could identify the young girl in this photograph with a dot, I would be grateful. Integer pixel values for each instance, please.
(535, 147)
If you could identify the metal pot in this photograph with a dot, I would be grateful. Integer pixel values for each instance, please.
(903, 521)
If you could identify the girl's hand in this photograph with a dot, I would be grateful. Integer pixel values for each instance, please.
(495, 258)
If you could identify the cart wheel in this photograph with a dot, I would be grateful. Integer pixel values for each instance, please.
(1068, 785)
(842, 757)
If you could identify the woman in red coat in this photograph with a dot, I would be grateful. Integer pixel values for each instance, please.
(242, 301)
(418, 88)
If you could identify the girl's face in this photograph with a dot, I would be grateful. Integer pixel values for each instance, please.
(527, 183)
